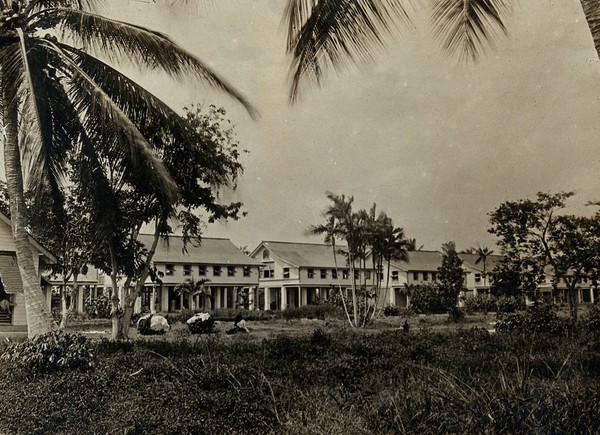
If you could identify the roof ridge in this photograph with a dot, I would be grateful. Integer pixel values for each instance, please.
(180, 237)
(296, 243)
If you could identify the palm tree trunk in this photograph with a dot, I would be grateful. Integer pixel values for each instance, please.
(116, 312)
(354, 296)
(337, 272)
(39, 317)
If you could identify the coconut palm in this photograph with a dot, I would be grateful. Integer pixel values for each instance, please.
(482, 256)
(59, 99)
(330, 34)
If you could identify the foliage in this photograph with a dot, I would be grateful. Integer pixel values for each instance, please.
(480, 303)
(388, 382)
(455, 314)
(391, 311)
(539, 318)
(451, 276)
(202, 326)
(427, 298)
(51, 352)
(591, 322)
(98, 308)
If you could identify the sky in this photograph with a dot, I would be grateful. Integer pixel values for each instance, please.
(437, 144)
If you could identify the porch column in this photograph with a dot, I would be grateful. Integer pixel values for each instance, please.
(267, 299)
(283, 292)
(217, 297)
(164, 299)
(80, 292)
(392, 296)
(301, 297)
(225, 298)
(251, 296)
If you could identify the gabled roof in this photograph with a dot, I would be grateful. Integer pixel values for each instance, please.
(420, 261)
(303, 254)
(210, 251)
(49, 257)
(471, 260)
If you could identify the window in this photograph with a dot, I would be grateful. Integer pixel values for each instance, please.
(268, 273)
(323, 273)
(345, 274)
(367, 274)
(247, 271)
(265, 254)
(187, 269)
(170, 269)
(216, 270)
(356, 274)
(394, 275)
(286, 272)
(334, 273)
(202, 270)
(230, 270)
(425, 276)
(310, 273)
(416, 276)
(477, 277)
(433, 276)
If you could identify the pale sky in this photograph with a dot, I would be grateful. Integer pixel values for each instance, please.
(435, 143)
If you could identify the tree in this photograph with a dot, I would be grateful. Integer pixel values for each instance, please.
(330, 34)
(332, 231)
(199, 169)
(451, 275)
(58, 97)
(537, 240)
(482, 256)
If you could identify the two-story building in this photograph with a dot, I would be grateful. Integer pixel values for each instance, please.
(298, 274)
(227, 274)
(88, 284)
(15, 316)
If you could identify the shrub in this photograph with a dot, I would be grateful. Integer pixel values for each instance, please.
(425, 299)
(320, 311)
(509, 304)
(98, 308)
(591, 322)
(480, 304)
(455, 314)
(202, 326)
(391, 311)
(540, 318)
(52, 352)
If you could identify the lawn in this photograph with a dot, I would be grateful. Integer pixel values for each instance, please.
(318, 376)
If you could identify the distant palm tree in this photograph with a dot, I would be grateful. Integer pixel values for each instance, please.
(482, 256)
(58, 98)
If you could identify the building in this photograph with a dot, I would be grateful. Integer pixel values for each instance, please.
(15, 316)
(89, 285)
(298, 274)
(229, 277)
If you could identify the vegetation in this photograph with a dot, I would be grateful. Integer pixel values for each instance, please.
(324, 381)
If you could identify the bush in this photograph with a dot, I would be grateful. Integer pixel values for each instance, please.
(51, 352)
(591, 322)
(509, 304)
(540, 318)
(427, 299)
(455, 314)
(480, 304)
(391, 311)
(98, 308)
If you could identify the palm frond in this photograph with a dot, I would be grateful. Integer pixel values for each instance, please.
(39, 5)
(144, 47)
(467, 26)
(591, 9)
(105, 123)
(326, 34)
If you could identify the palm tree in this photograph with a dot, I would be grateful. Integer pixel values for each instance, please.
(59, 99)
(482, 256)
(332, 231)
(325, 34)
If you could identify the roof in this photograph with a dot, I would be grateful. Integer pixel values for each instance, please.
(49, 257)
(490, 263)
(210, 251)
(303, 254)
(420, 261)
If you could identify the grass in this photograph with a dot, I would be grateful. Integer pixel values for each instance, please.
(319, 376)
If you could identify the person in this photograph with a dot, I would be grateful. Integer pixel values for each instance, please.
(239, 325)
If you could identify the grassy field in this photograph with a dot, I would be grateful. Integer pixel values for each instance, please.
(317, 377)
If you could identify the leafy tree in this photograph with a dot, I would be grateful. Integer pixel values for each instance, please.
(58, 97)
(199, 169)
(537, 240)
(451, 275)
(482, 256)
